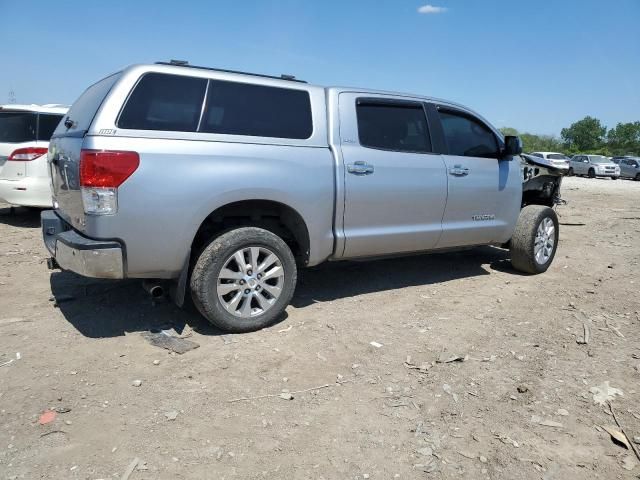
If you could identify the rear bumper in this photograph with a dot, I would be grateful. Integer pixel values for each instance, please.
(79, 254)
(27, 192)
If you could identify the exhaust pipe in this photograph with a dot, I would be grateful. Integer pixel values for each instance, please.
(52, 264)
(153, 288)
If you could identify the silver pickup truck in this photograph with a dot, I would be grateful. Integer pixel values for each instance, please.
(221, 184)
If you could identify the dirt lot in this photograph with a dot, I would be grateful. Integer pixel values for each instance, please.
(519, 407)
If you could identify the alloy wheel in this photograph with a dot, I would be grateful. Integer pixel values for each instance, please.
(250, 281)
(545, 241)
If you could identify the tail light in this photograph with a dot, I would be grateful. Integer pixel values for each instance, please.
(101, 173)
(26, 154)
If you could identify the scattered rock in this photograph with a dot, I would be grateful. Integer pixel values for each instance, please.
(483, 459)
(286, 396)
(426, 451)
(523, 388)
(171, 415)
(636, 439)
(156, 362)
(604, 393)
(447, 388)
(629, 462)
(62, 409)
(375, 344)
(562, 412)
(137, 383)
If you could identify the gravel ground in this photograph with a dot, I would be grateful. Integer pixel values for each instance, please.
(476, 371)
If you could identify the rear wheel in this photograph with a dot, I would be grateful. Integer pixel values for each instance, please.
(535, 239)
(614, 178)
(637, 177)
(244, 279)
(592, 173)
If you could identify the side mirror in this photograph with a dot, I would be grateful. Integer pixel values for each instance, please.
(512, 145)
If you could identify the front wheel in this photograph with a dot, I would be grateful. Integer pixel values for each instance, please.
(535, 239)
(637, 177)
(244, 279)
(592, 173)
(614, 178)
(570, 172)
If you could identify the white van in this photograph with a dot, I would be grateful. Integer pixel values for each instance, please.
(25, 131)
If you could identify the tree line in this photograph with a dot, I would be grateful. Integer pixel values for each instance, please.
(585, 136)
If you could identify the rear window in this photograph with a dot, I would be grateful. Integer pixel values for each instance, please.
(164, 102)
(557, 156)
(174, 103)
(17, 127)
(257, 110)
(47, 124)
(398, 127)
(85, 108)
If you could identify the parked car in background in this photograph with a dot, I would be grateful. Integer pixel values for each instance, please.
(25, 131)
(629, 166)
(593, 166)
(224, 183)
(553, 159)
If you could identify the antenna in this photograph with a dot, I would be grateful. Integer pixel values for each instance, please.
(12, 96)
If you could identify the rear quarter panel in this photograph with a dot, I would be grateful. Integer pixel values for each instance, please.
(180, 182)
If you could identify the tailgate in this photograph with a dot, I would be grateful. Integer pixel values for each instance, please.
(64, 165)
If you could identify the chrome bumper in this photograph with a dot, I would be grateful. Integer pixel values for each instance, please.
(82, 255)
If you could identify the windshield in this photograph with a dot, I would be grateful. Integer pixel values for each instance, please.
(557, 156)
(598, 159)
(17, 127)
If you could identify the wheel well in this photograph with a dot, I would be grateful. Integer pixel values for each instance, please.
(276, 217)
(542, 190)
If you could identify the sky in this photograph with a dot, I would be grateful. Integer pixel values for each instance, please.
(537, 66)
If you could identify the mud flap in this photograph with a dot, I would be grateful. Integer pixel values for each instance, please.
(178, 290)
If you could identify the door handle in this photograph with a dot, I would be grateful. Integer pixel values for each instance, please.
(459, 171)
(360, 168)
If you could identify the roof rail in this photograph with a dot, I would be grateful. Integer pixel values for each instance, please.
(184, 63)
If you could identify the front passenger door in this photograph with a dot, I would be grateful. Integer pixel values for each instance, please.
(484, 190)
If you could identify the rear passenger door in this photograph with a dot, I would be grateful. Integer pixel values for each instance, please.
(395, 187)
(484, 192)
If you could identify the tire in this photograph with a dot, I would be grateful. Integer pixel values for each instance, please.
(637, 177)
(570, 172)
(267, 297)
(592, 173)
(614, 178)
(523, 242)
